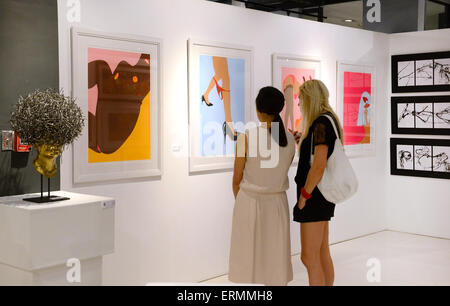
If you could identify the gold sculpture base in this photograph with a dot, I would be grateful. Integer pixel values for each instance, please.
(45, 164)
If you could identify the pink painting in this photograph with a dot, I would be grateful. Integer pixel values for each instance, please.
(357, 107)
(292, 79)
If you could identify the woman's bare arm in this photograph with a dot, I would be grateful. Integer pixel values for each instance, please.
(318, 167)
(316, 172)
(239, 162)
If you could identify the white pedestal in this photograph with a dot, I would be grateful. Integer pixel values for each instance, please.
(37, 240)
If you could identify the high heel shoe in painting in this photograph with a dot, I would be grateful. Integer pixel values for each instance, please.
(227, 131)
(204, 100)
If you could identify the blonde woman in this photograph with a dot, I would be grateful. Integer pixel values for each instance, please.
(313, 211)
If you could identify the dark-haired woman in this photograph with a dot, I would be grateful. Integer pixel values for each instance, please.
(260, 239)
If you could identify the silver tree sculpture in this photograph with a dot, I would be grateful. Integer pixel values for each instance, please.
(50, 121)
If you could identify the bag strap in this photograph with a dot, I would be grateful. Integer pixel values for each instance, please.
(334, 127)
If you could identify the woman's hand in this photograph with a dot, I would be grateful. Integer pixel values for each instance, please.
(296, 134)
(301, 202)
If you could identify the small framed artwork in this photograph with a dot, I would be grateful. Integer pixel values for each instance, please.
(420, 157)
(116, 80)
(421, 72)
(356, 107)
(289, 72)
(427, 115)
(220, 102)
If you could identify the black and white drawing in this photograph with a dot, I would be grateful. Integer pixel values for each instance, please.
(420, 157)
(428, 115)
(406, 114)
(442, 71)
(421, 72)
(424, 115)
(442, 115)
(441, 160)
(405, 157)
(424, 72)
(406, 73)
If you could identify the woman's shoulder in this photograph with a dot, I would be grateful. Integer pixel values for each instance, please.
(324, 118)
(323, 124)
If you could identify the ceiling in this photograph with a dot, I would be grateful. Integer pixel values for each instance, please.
(301, 8)
(342, 12)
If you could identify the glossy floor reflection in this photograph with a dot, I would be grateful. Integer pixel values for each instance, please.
(405, 259)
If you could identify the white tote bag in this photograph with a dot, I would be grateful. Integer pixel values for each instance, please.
(339, 181)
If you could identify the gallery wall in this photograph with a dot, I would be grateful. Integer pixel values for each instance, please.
(177, 228)
(29, 49)
(419, 205)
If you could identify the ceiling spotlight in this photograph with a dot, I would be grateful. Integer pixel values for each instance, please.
(348, 20)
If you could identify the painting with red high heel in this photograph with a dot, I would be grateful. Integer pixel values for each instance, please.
(219, 102)
(222, 80)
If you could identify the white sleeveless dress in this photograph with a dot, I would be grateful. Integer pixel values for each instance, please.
(260, 249)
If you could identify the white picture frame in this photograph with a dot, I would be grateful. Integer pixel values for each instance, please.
(196, 48)
(280, 61)
(83, 171)
(362, 149)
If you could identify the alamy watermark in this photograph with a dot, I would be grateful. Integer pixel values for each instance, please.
(73, 11)
(374, 273)
(262, 142)
(73, 275)
(374, 13)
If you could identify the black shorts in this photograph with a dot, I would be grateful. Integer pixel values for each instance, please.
(314, 211)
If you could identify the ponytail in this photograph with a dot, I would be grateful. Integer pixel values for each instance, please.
(281, 139)
(271, 101)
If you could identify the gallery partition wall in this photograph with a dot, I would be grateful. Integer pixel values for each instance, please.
(29, 44)
(429, 93)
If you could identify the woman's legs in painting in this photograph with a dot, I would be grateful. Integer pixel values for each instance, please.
(208, 91)
(289, 111)
(227, 103)
(221, 69)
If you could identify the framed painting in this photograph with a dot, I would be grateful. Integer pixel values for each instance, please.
(289, 72)
(427, 115)
(356, 107)
(116, 80)
(420, 157)
(421, 72)
(220, 102)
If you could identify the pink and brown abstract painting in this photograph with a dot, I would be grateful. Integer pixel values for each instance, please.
(118, 106)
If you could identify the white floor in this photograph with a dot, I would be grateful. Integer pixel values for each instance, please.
(404, 259)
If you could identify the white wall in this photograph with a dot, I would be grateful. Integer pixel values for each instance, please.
(419, 205)
(178, 228)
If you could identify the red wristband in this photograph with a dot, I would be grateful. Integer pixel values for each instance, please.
(305, 194)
